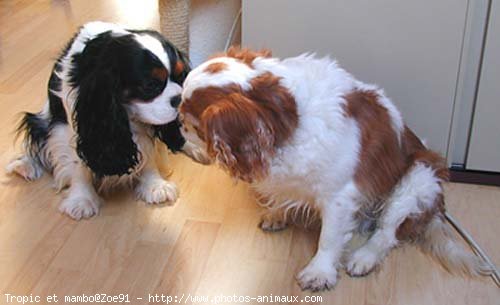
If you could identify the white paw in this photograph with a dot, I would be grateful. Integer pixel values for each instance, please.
(80, 206)
(25, 168)
(272, 225)
(196, 153)
(157, 191)
(317, 277)
(362, 262)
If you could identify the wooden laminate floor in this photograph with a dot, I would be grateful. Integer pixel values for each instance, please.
(208, 243)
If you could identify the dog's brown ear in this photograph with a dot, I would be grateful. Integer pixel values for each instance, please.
(238, 136)
(244, 54)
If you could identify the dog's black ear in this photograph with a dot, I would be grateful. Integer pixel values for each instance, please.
(182, 66)
(170, 134)
(104, 138)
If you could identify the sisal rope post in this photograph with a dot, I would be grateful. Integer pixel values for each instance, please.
(174, 22)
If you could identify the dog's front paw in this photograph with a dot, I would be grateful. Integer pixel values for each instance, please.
(157, 191)
(361, 262)
(317, 277)
(272, 223)
(196, 153)
(80, 206)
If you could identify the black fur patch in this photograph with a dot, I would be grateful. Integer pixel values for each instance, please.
(171, 135)
(57, 111)
(104, 138)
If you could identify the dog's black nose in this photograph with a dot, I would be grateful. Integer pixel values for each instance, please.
(175, 101)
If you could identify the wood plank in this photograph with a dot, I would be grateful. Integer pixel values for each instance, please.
(187, 262)
(208, 243)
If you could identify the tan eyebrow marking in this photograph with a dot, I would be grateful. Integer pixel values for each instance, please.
(179, 67)
(159, 73)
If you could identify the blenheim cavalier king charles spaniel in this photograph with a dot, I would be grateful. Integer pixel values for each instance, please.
(111, 94)
(307, 135)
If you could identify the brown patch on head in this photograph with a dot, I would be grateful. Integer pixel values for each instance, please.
(381, 162)
(202, 98)
(159, 73)
(242, 129)
(245, 55)
(215, 67)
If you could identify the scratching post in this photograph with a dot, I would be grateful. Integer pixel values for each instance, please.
(174, 22)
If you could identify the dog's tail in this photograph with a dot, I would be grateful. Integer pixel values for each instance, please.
(34, 129)
(439, 242)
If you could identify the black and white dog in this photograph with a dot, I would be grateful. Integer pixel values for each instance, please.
(111, 94)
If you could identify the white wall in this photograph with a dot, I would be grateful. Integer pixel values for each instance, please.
(210, 24)
(411, 48)
(484, 149)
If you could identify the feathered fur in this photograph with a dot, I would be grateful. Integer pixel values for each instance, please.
(112, 94)
(346, 156)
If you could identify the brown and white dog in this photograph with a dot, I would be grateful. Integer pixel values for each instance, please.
(307, 135)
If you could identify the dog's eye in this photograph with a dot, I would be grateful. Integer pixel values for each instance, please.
(152, 88)
(153, 85)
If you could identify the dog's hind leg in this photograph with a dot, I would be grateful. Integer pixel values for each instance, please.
(414, 198)
(81, 200)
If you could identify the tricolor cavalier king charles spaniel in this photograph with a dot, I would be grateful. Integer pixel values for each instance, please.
(307, 135)
(111, 93)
